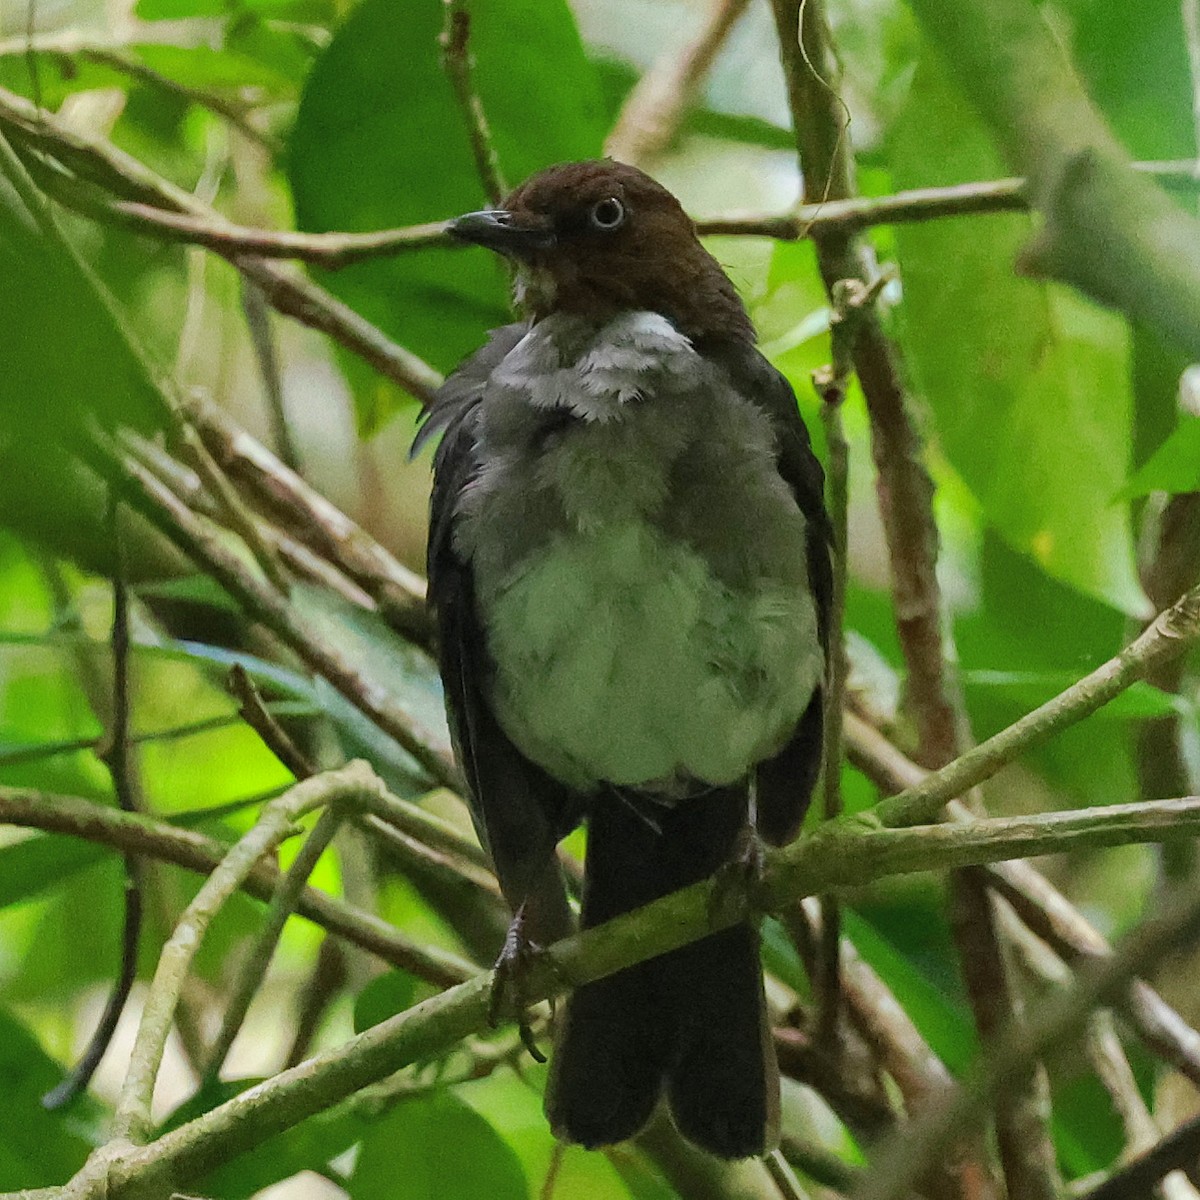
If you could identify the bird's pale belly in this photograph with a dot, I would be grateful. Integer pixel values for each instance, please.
(620, 657)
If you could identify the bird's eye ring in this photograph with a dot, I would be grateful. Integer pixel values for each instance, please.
(608, 214)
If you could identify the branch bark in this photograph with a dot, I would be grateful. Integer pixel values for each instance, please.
(1104, 230)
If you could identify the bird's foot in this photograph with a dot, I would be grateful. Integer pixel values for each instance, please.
(736, 884)
(510, 982)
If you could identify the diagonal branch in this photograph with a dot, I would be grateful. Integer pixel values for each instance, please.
(96, 160)
(1164, 638)
(151, 838)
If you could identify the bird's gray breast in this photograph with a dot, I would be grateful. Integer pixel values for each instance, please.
(639, 563)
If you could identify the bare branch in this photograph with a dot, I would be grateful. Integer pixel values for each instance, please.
(1166, 637)
(151, 838)
(655, 108)
(459, 65)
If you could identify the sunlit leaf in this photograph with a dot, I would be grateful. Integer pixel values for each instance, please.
(1028, 383)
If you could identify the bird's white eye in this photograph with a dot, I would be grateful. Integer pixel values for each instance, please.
(608, 214)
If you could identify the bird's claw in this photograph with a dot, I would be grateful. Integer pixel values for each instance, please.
(509, 979)
(736, 882)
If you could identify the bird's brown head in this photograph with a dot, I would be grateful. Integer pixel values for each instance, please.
(600, 238)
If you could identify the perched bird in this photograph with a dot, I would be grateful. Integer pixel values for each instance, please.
(629, 562)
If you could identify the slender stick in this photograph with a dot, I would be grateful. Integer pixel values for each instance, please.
(655, 108)
(257, 963)
(132, 1119)
(1164, 638)
(186, 848)
(115, 754)
(459, 65)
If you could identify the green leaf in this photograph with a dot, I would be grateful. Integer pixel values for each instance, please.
(308, 1146)
(387, 663)
(40, 863)
(441, 1149)
(1029, 689)
(1149, 109)
(379, 140)
(37, 1147)
(385, 996)
(174, 10)
(1027, 382)
(943, 1023)
(1173, 467)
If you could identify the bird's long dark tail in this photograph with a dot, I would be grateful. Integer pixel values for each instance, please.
(692, 1023)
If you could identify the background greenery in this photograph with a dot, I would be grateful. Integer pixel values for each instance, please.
(1053, 431)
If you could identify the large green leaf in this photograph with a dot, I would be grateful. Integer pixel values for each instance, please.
(308, 1146)
(380, 140)
(36, 1147)
(440, 1149)
(1028, 383)
(1135, 59)
(1173, 467)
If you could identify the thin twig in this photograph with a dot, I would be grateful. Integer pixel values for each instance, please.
(262, 339)
(1165, 637)
(258, 961)
(330, 251)
(326, 981)
(785, 1179)
(307, 515)
(459, 65)
(831, 383)
(115, 754)
(253, 710)
(655, 108)
(132, 1118)
(229, 503)
(151, 838)
(233, 113)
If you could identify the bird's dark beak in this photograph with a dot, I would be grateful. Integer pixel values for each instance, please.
(516, 234)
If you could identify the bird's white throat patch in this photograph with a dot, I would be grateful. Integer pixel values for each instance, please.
(569, 364)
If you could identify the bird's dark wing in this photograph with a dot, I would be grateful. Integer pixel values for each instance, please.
(464, 387)
(519, 810)
(785, 782)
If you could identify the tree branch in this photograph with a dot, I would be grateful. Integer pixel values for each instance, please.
(151, 838)
(656, 106)
(1104, 230)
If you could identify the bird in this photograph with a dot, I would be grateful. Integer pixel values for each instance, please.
(629, 566)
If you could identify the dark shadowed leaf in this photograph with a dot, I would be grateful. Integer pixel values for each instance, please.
(380, 140)
(435, 1147)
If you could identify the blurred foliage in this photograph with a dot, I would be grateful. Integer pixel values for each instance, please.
(1048, 422)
